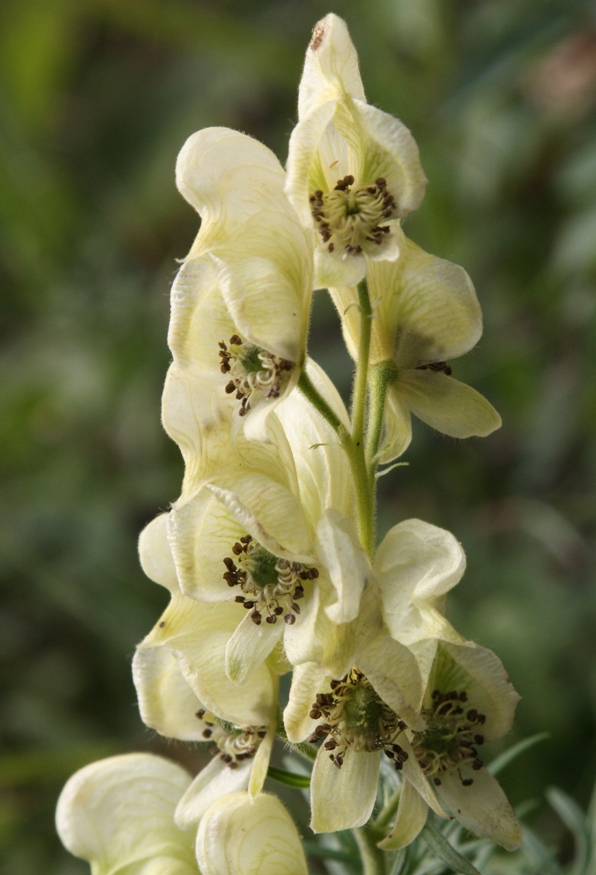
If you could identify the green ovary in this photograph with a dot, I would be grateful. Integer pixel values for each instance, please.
(263, 569)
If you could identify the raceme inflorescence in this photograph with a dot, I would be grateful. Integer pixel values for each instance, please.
(270, 554)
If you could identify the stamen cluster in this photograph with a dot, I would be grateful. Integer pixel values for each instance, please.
(451, 737)
(253, 371)
(233, 744)
(273, 585)
(349, 219)
(356, 717)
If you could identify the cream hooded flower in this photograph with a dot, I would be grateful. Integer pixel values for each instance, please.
(469, 701)
(179, 668)
(425, 313)
(241, 300)
(118, 814)
(243, 836)
(352, 169)
(272, 531)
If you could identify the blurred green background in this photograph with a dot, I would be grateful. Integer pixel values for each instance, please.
(96, 99)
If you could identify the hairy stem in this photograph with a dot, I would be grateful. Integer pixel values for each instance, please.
(309, 390)
(386, 814)
(361, 376)
(381, 377)
(373, 858)
(354, 444)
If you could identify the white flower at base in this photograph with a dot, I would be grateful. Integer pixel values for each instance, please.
(118, 814)
(352, 169)
(241, 301)
(243, 836)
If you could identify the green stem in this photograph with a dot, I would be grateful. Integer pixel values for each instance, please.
(308, 389)
(381, 377)
(386, 815)
(291, 779)
(361, 376)
(373, 858)
(354, 443)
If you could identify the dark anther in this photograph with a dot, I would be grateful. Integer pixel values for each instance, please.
(437, 782)
(256, 618)
(479, 739)
(290, 619)
(477, 764)
(467, 782)
(272, 619)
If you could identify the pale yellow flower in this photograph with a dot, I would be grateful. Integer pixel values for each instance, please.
(469, 701)
(352, 169)
(179, 668)
(118, 815)
(243, 836)
(425, 313)
(241, 300)
(272, 531)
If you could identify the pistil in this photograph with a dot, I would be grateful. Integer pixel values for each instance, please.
(356, 718)
(254, 372)
(351, 220)
(270, 586)
(233, 744)
(451, 738)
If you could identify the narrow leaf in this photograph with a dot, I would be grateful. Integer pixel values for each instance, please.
(503, 760)
(315, 850)
(575, 821)
(435, 839)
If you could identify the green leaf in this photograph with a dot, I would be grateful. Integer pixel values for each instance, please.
(291, 779)
(575, 820)
(437, 842)
(315, 850)
(500, 762)
(400, 862)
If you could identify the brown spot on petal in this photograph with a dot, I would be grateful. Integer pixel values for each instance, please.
(317, 35)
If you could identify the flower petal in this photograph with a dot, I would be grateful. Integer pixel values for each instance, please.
(346, 562)
(391, 152)
(166, 702)
(451, 407)
(479, 672)
(214, 781)
(416, 565)
(249, 647)
(118, 814)
(397, 432)
(155, 554)
(202, 533)
(197, 635)
(323, 469)
(330, 66)
(426, 308)
(308, 679)
(481, 807)
(262, 253)
(260, 763)
(343, 798)
(243, 836)
(270, 513)
(411, 817)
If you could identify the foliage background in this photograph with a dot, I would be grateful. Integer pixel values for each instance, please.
(96, 98)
